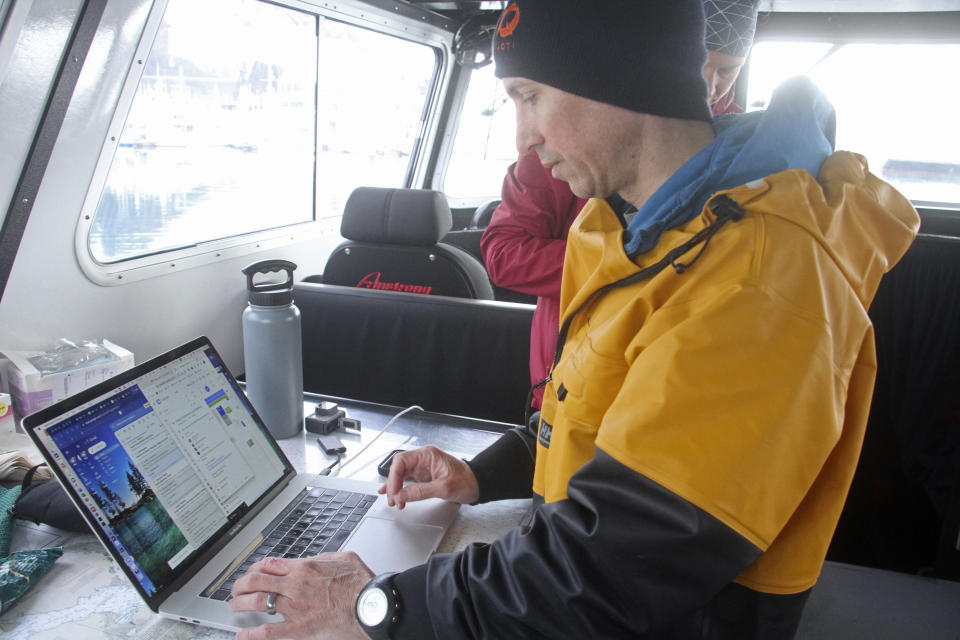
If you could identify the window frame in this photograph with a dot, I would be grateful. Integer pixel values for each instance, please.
(889, 27)
(12, 18)
(444, 154)
(404, 25)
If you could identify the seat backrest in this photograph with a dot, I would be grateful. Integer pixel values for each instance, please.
(483, 214)
(466, 239)
(450, 355)
(393, 243)
(469, 241)
(906, 491)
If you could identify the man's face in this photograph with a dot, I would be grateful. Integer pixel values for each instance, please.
(720, 73)
(586, 143)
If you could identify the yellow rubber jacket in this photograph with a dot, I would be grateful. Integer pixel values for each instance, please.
(742, 384)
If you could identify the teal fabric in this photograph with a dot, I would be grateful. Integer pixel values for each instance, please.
(7, 499)
(21, 569)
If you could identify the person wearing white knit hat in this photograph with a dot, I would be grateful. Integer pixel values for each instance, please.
(731, 25)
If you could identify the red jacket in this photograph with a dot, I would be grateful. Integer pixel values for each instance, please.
(524, 244)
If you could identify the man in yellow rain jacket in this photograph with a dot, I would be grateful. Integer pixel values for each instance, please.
(714, 368)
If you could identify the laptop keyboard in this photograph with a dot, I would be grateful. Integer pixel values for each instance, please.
(316, 521)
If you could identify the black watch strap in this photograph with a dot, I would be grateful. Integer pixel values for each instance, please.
(378, 607)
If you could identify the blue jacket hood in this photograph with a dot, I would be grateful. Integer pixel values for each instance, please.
(797, 131)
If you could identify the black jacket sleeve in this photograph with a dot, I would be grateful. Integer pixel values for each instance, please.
(621, 557)
(504, 470)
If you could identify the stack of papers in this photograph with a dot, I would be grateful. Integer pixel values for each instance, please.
(17, 456)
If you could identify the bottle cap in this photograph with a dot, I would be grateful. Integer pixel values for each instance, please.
(270, 294)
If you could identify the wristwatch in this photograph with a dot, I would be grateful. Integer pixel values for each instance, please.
(378, 607)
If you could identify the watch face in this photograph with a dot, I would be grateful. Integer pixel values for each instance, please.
(372, 607)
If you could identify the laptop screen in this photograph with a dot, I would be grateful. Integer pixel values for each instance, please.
(164, 461)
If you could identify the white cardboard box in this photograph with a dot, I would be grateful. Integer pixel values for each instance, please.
(32, 390)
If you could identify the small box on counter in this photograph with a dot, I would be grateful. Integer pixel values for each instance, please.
(33, 388)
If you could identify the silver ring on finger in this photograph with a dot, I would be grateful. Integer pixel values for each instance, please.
(271, 603)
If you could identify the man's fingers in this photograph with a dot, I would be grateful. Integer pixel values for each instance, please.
(395, 477)
(418, 491)
(403, 468)
(274, 566)
(436, 475)
(256, 582)
(250, 601)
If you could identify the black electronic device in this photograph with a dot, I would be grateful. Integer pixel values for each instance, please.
(331, 444)
(325, 422)
(384, 467)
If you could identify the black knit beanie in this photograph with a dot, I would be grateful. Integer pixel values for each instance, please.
(643, 55)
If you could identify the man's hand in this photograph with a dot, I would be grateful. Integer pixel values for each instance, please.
(316, 596)
(437, 475)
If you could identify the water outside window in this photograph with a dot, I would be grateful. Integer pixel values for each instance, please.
(371, 101)
(895, 105)
(252, 116)
(219, 140)
(485, 144)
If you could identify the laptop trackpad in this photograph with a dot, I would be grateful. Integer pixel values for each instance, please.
(393, 545)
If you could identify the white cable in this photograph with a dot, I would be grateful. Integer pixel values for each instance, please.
(367, 446)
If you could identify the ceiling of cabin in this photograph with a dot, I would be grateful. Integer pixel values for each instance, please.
(461, 9)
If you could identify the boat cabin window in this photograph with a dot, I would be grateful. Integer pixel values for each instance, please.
(485, 143)
(251, 116)
(893, 105)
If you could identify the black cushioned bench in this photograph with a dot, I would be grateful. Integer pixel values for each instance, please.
(903, 509)
(450, 355)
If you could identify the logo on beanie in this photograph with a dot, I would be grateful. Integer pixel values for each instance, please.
(508, 20)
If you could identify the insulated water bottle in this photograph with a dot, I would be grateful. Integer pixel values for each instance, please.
(271, 349)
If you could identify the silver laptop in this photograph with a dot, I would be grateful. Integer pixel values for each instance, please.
(180, 479)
